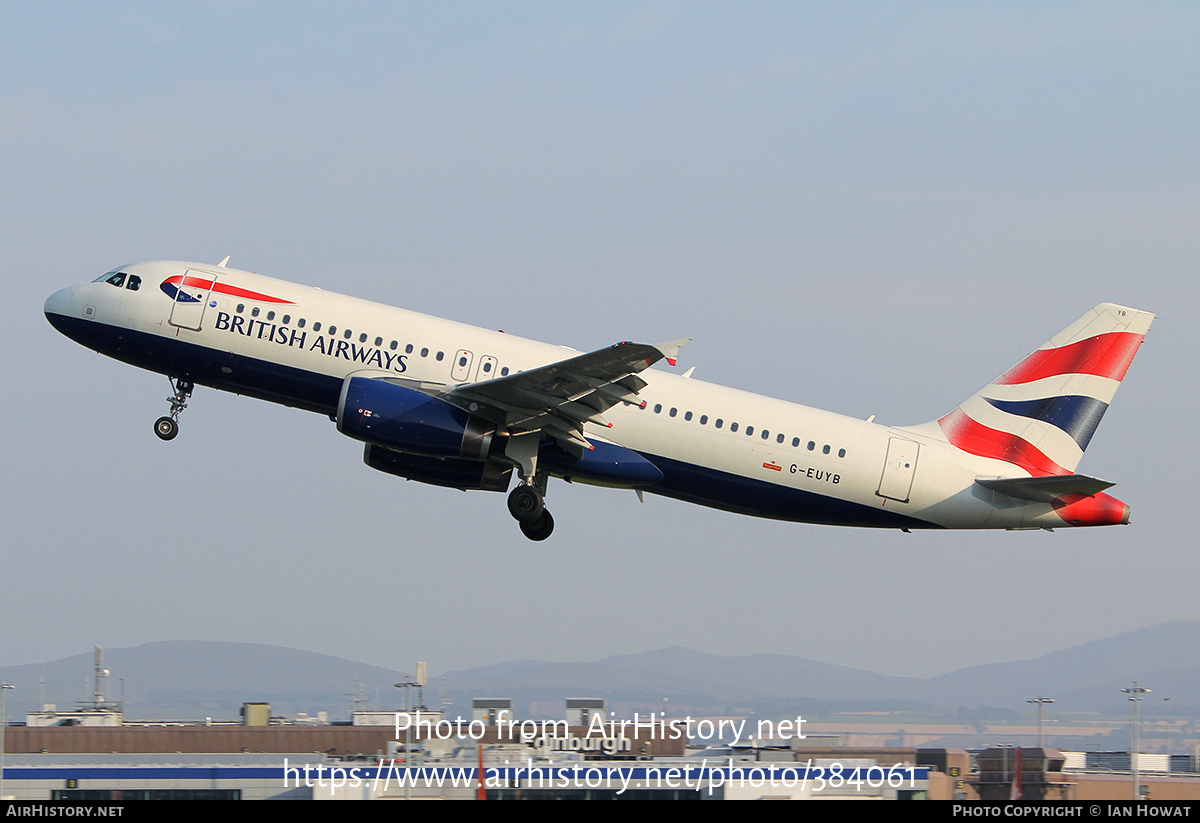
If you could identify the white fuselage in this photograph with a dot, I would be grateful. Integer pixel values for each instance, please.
(716, 446)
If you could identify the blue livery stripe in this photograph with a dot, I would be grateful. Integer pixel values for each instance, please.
(1078, 416)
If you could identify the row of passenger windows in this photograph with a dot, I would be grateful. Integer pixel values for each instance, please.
(362, 337)
(463, 361)
(762, 433)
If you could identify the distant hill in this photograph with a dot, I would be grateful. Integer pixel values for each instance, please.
(197, 679)
(194, 679)
(1089, 677)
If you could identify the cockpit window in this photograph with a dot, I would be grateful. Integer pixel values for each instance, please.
(117, 279)
(134, 282)
(107, 275)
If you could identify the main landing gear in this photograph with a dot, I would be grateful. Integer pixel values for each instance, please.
(167, 427)
(527, 504)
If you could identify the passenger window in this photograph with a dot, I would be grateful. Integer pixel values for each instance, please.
(333, 329)
(393, 345)
(733, 427)
(487, 366)
(270, 315)
(504, 372)
(749, 430)
(703, 419)
(462, 361)
(300, 322)
(317, 326)
(718, 423)
(347, 333)
(254, 312)
(841, 452)
(779, 438)
(765, 434)
(795, 442)
(439, 357)
(825, 450)
(408, 349)
(134, 282)
(658, 408)
(811, 445)
(424, 352)
(378, 341)
(687, 415)
(241, 307)
(287, 318)
(673, 411)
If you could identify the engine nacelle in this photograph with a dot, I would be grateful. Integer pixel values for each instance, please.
(468, 475)
(383, 413)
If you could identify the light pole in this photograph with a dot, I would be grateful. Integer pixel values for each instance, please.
(1041, 701)
(4, 687)
(1170, 740)
(1135, 697)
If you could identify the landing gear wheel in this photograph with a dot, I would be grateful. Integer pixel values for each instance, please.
(539, 528)
(525, 503)
(166, 428)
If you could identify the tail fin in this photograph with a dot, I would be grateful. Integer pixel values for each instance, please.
(1041, 414)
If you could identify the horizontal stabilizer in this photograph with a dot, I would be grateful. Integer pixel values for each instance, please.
(1045, 489)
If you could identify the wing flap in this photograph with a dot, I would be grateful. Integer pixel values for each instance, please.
(559, 398)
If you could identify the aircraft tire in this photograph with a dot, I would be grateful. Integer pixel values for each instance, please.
(166, 428)
(525, 503)
(538, 528)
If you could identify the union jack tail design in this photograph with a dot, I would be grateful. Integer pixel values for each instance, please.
(1041, 414)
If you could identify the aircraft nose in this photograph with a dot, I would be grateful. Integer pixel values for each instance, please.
(59, 309)
(60, 302)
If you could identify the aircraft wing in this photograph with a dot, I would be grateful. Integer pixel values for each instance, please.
(560, 397)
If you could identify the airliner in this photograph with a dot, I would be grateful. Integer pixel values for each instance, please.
(463, 407)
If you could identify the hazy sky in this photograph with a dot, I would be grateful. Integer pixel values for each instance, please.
(871, 208)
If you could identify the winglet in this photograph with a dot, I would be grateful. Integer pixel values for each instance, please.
(221, 265)
(670, 351)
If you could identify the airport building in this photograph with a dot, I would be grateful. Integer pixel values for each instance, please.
(94, 753)
(418, 754)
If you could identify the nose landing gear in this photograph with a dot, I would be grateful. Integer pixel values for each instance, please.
(168, 427)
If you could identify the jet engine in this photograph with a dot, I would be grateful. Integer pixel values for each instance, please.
(386, 414)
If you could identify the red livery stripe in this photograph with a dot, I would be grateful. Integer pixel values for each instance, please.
(1105, 355)
(1091, 510)
(975, 438)
(224, 288)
